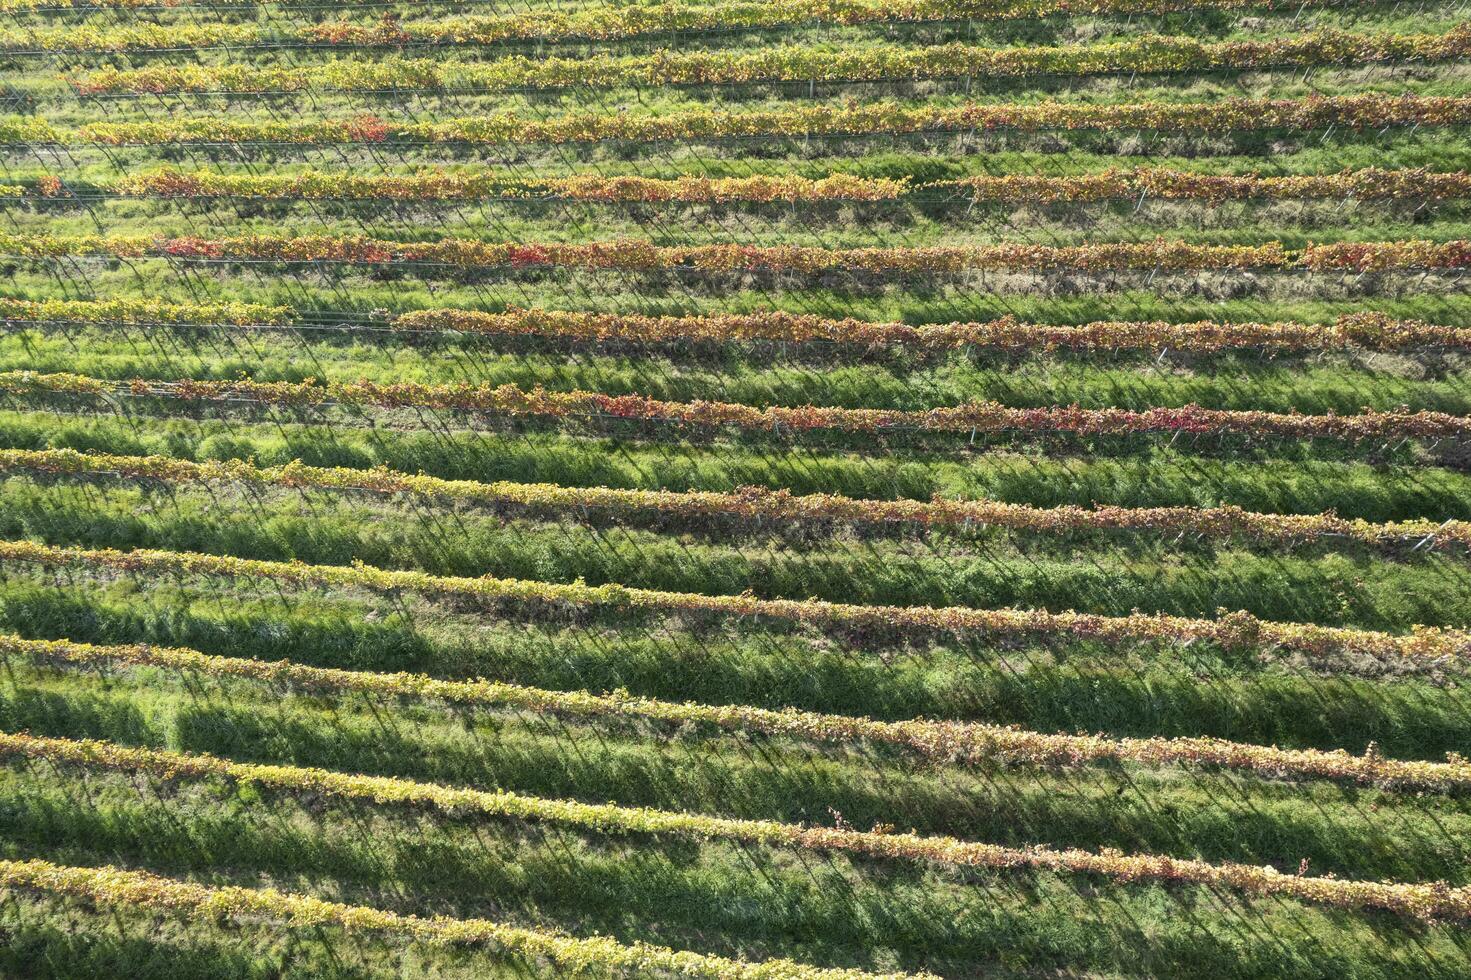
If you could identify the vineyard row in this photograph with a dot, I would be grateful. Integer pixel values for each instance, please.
(980, 417)
(588, 24)
(1352, 112)
(966, 743)
(1148, 54)
(638, 255)
(117, 888)
(1428, 901)
(757, 505)
(1237, 631)
(1368, 331)
(1416, 184)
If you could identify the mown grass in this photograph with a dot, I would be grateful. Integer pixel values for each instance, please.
(1066, 300)
(1439, 148)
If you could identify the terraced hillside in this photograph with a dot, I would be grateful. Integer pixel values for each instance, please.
(804, 489)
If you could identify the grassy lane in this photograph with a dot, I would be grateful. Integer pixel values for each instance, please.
(1433, 298)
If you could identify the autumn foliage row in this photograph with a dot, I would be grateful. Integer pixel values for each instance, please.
(638, 255)
(867, 63)
(1416, 184)
(1353, 112)
(1369, 331)
(978, 417)
(1372, 331)
(438, 185)
(140, 311)
(591, 23)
